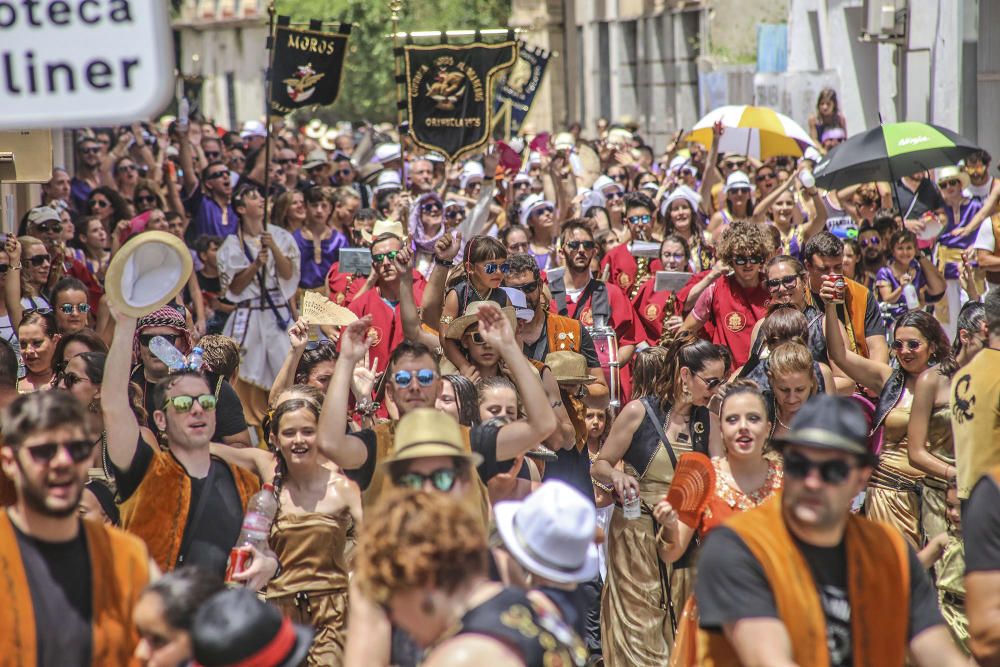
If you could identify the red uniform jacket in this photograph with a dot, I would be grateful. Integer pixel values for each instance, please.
(734, 311)
(387, 324)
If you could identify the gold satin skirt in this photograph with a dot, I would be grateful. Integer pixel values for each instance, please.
(326, 613)
(933, 520)
(635, 622)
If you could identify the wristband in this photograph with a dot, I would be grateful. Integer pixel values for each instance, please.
(447, 263)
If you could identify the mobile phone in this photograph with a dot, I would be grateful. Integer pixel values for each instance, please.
(356, 261)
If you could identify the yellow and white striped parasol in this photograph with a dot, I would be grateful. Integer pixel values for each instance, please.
(759, 132)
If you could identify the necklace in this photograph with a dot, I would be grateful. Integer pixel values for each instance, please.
(476, 292)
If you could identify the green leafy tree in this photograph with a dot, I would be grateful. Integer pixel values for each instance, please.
(367, 90)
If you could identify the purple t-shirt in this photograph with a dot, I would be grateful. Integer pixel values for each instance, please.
(899, 307)
(79, 193)
(313, 274)
(206, 217)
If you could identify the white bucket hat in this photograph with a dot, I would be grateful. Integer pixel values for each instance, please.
(471, 171)
(388, 180)
(551, 533)
(681, 192)
(387, 152)
(529, 204)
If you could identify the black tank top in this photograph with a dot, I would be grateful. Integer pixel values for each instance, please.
(538, 637)
(467, 295)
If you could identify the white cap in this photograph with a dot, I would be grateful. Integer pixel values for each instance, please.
(603, 181)
(736, 180)
(681, 192)
(551, 533)
(388, 180)
(682, 163)
(434, 157)
(522, 177)
(529, 204)
(471, 171)
(812, 154)
(387, 152)
(253, 128)
(592, 199)
(520, 303)
(563, 141)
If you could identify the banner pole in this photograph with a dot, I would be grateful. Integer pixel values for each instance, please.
(395, 6)
(267, 106)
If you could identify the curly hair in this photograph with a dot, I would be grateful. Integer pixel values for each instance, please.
(221, 355)
(745, 239)
(419, 539)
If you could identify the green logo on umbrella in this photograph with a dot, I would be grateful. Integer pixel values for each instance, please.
(910, 136)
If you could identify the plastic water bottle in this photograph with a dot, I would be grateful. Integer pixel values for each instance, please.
(631, 507)
(256, 529)
(166, 353)
(807, 179)
(196, 358)
(910, 296)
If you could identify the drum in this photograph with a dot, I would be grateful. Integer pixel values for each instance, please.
(606, 345)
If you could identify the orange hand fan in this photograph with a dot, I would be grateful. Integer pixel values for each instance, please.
(692, 487)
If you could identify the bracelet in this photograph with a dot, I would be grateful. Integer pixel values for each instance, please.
(444, 262)
(15, 268)
(366, 407)
(607, 488)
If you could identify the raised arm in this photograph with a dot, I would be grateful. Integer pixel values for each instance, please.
(12, 287)
(408, 313)
(298, 334)
(347, 451)
(119, 420)
(711, 175)
(187, 160)
(445, 249)
(518, 437)
(871, 374)
(762, 207)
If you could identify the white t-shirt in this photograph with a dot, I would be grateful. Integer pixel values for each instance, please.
(980, 192)
(986, 240)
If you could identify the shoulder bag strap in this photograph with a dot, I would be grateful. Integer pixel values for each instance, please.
(659, 430)
(557, 288)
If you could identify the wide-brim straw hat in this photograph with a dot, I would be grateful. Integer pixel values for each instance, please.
(569, 367)
(147, 272)
(459, 325)
(950, 173)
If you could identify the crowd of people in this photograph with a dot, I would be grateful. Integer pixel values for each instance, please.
(613, 406)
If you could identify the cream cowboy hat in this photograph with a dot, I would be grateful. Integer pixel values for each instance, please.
(147, 272)
(569, 367)
(459, 325)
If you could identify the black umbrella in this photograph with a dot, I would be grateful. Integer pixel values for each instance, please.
(889, 151)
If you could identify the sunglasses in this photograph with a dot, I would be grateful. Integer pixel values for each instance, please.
(492, 267)
(93, 150)
(788, 282)
(477, 338)
(734, 165)
(527, 288)
(49, 227)
(740, 191)
(745, 259)
(711, 383)
(950, 184)
(764, 177)
(542, 210)
(127, 167)
(146, 339)
(425, 376)
(145, 199)
(911, 345)
(38, 260)
(431, 208)
(218, 174)
(99, 203)
(576, 245)
(455, 213)
(212, 155)
(611, 196)
(286, 161)
(183, 402)
(872, 240)
(69, 380)
(78, 450)
(380, 257)
(831, 472)
(640, 219)
(442, 479)
(619, 177)
(68, 308)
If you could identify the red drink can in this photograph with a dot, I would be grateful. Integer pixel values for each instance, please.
(238, 561)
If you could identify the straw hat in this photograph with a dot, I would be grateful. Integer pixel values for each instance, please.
(551, 533)
(459, 325)
(315, 128)
(148, 271)
(394, 227)
(951, 173)
(426, 432)
(569, 367)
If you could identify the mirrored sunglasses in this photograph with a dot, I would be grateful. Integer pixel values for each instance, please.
(442, 479)
(424, 376)
(184, 403)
